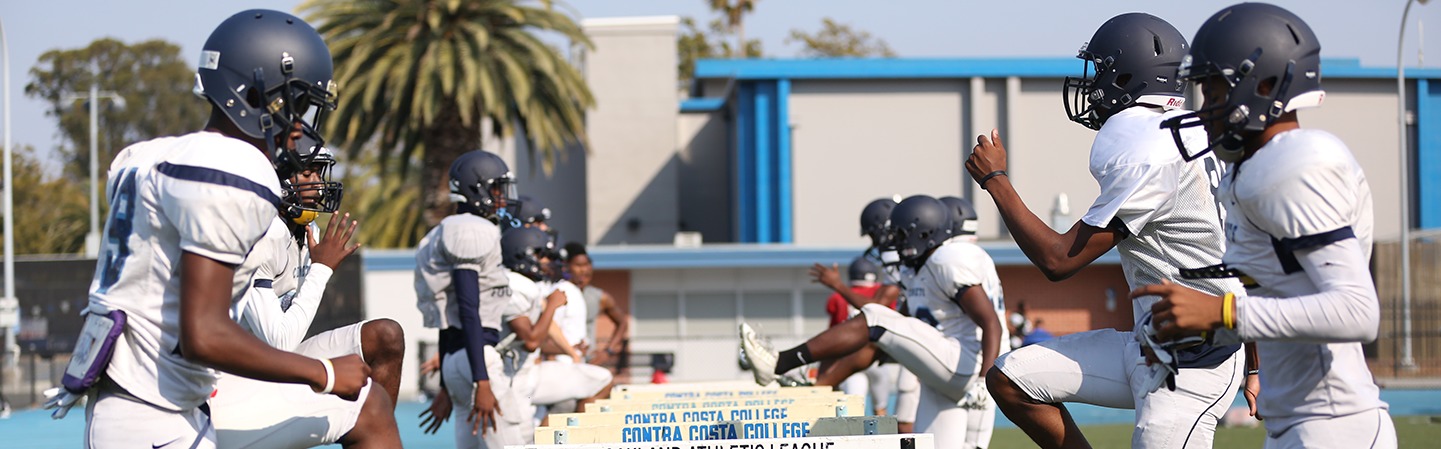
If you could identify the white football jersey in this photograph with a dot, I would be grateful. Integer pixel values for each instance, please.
(525, 300)
(202, 193)
(1303, 184)
(930, 293)
(285, 290)
(571, 316)
(460, 242)
(1168, 206)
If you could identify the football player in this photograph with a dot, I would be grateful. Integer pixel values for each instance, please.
(460, 282)
(1299, 233)
(954, 295)
(525, 320)
(291, 260)
(1160, 212)
(184, 211)
(874, 221)
(597, 302)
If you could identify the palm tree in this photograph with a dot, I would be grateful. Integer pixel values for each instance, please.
(425, 79)
(734, 12)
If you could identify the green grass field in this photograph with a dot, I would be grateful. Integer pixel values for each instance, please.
(1413, 432)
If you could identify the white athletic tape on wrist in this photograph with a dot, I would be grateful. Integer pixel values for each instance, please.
(329, 376)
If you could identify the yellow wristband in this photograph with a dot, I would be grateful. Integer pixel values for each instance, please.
(1228, 310)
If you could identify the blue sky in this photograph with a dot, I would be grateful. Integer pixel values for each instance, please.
(917, 28)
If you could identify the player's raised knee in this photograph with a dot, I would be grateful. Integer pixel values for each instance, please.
(384, 335)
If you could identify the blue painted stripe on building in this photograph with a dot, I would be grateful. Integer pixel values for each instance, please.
(745, 167)
(702, 104)
(785, 211)
(852, 68)
(764, 159)
(653, 257)
(1426, 164)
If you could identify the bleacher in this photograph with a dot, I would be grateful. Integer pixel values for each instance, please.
(725, 415)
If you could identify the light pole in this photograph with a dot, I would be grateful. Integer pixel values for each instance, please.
(92, 239)
(9, 306)
(1406, 361)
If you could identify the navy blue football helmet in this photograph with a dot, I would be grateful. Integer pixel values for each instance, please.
(918, 225)
(1251, 47)
(483, 185)
(266, 70)
(521, 250)
(304, 201)
(963, 216)
(862, 269)
(875, 219)
(1130, 57)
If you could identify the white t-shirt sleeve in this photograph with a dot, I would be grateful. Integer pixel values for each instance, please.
(1132, 194)
(218, 214)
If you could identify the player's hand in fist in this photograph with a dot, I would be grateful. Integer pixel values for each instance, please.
(988, 156)
(351, 375)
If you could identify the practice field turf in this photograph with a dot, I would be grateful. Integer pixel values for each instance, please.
(1413, 432)
(33, 429)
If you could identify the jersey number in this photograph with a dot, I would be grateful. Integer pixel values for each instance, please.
(1213, 175)
(117, 229)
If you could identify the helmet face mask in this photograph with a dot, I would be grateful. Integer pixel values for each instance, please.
(305, 199)
(1083, 99)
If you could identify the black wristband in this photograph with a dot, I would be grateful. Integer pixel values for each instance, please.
(1253, 371)
(988, 177)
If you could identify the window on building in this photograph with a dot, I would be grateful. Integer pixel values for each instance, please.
(768, 312)
(813, 311)
(710, 314)
(656, 315)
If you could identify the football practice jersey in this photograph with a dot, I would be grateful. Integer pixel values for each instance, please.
(285, 290)
(571, 316)
(459, 242)
(931, 293)
(525, 300)
(202, 193)
(1165, 205)
(1304, 190)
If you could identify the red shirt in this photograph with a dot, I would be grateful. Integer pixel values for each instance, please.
(839, 309)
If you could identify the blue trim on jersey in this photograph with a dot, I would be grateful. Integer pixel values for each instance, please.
(1288, 261)
(217, 177)
(264, 283)
(1204, 355)
(1318, 240)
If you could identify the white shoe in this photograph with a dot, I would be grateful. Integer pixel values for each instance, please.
(759, 355)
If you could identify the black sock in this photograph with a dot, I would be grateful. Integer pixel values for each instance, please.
(793, 358)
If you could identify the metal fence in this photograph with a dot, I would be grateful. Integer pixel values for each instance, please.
(1388, 353)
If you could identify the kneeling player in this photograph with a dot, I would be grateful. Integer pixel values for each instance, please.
(954, 294)
(250, 413)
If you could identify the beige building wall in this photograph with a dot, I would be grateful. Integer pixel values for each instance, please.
(1049, 154)
(631, 171)
(706, 176)
(855, 141)
(1362, 112)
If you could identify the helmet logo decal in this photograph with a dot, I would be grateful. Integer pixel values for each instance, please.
(210, 59)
